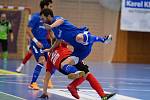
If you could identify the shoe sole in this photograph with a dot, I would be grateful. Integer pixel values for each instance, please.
(32, 88)
(76, 75)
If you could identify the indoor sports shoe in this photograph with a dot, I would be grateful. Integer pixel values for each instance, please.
(107, 39)
(76, 75)
(34, 86)
(19, 69)
(108, 96)
(73, 91)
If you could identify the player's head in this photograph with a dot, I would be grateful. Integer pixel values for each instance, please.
(46, 4)
(3, 17)
(47, 14)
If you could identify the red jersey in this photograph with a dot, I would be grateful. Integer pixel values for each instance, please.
(57, 56)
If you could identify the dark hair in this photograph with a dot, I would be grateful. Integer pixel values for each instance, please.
(45, 3)
(47, 12)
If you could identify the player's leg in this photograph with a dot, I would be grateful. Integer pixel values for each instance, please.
(40, 64)
(86, 38)
(97, 87)
(36, 73)
(68, 68)
(72, 87)
(4, 50)
(27, 57)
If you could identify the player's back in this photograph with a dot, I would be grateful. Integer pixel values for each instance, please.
(67, 31)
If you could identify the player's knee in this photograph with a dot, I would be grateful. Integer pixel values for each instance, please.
(87, 74)
(42, 60)
(80, 38)
(69, 61)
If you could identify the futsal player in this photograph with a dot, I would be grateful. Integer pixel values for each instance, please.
(43, 4)
(54, 61)
(38, 35)
(79, 38)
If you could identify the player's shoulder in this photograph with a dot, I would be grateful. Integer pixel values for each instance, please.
(35, 15)
(58, 17)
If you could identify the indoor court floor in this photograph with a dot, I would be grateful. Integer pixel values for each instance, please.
(129, 81)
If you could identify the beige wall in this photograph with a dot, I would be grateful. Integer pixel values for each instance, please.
(101, 21)
(83, 12)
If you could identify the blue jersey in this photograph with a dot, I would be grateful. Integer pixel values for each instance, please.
(67, 32)
(38, 29)
(40, 33)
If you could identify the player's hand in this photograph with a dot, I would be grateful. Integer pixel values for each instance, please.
(47, 26)
(44, 96)
(48, 50)
(39, 44)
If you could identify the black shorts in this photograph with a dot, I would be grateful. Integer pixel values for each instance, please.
(80, 66)
(4, 45)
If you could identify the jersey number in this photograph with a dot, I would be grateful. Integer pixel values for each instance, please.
(55, 55)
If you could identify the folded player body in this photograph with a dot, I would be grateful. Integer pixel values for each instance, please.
(54, 62)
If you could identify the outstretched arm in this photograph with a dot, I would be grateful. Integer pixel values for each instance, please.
(55, 24)
(56, 44)
(46, 80)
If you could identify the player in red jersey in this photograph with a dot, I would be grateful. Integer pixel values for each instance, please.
(54, 61)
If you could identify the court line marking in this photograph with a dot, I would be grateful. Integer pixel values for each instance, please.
(101, 78)
(13, 96)
(7, 72)
(82, 89)
(123, 89)
(120, 83)
(93, 96)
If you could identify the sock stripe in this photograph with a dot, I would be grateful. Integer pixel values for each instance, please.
(40, 65)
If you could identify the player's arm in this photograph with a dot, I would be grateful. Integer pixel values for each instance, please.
(30, 34)
(32, 23)
(57, 23)
(51, 37)
(46, 80)
(49, 72)
(56, 44)
(10, 32)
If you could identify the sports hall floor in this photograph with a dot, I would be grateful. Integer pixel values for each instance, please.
(129, 81)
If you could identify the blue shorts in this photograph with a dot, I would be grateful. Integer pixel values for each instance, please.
(82, 52)
(37, 52)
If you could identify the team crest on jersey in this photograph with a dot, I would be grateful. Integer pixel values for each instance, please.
(43, 27)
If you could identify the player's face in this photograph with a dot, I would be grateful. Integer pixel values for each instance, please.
(3, 17)
(46, 19)
(49, 18)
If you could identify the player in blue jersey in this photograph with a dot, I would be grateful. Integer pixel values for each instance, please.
(38, 34)
(79, 38)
